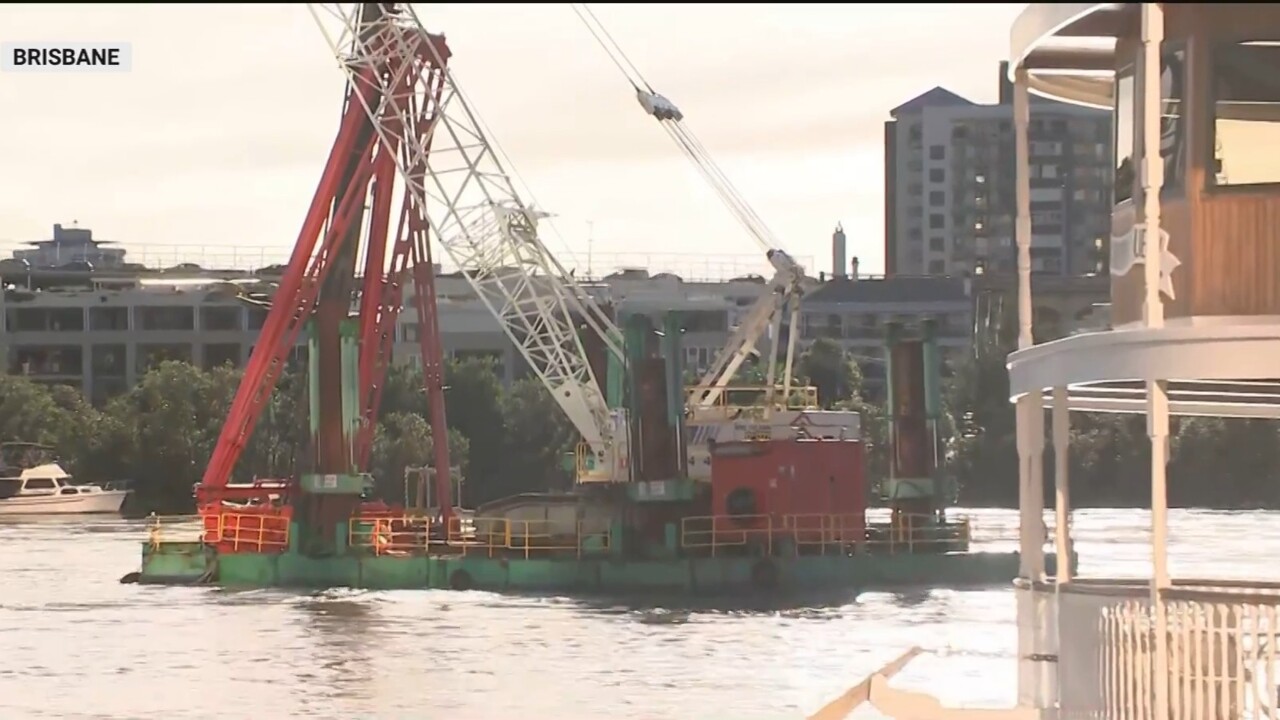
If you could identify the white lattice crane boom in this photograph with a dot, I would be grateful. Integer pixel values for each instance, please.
(789, 279)
(475, 214)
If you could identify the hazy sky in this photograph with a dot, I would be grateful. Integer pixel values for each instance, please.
(217, 136)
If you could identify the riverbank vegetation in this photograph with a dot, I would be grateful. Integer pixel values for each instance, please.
(160, 434)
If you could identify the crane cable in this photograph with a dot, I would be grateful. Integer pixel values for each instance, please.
(672, 120)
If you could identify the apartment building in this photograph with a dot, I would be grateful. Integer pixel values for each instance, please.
(949, 186)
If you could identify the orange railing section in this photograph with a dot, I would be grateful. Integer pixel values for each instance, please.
(246, 532)
(825, 532)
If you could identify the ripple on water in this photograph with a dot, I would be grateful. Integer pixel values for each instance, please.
(80, 645)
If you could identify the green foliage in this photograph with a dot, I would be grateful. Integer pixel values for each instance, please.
(161, 433)
(1214, 462)
(537, 434)
(826, 366)
(404, 440)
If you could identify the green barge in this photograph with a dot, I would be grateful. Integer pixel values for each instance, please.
(708, 489)
(767, 500)
(386, 554)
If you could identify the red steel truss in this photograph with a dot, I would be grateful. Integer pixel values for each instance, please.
(346, 256)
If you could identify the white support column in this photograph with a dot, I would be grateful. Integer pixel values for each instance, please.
(1061, 484)
(1029, 413)
(1036, 619)
(1153, 316)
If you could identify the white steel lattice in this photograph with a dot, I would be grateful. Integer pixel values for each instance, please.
(475, 213)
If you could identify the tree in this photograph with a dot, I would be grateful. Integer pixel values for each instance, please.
(537, 437)
(826, 366)
(161, 433)
(168, 425)
(405, 440)
(473, 408)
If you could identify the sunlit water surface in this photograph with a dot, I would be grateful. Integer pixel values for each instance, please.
(74, 643)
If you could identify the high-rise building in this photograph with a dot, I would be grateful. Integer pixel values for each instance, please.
(949, 186)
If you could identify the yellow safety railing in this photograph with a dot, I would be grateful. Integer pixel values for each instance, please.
(824, 531)
(581, 459)
(802, 397)
(504, 536)
(169, 529)
(717, 531)
(914, 529)
(397, 535)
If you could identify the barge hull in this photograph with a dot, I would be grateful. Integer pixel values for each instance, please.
(188, 563)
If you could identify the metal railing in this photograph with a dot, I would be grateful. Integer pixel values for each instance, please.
(690, 267)
(494, 536)
(505, 536)
(752, 397)
(167, 529)
(390, 535)
(827, 532)
(413, 534)
(246, 532)
(1221, 659)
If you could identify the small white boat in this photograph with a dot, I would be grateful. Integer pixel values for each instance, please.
(33, 483)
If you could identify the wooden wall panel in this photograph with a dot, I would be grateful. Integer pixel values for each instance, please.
(1237, 254)
(1228, 241)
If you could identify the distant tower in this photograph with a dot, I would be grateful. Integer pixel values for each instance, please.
(838, 253)
(853, 267)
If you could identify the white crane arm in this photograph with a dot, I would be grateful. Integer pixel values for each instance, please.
(785, 286)
(789, 275)
(454, 174)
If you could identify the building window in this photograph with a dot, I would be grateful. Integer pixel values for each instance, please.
(937, 152)
(937, 244)
(915, 189)
(937, 198)
(937, 222)
(1125, 175)
(937, 267)
(1171, 125)
(937, 175)
(1246, 126)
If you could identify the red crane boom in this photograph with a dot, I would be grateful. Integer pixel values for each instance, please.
(347, 256)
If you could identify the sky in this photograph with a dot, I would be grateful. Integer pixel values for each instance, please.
(214, 141)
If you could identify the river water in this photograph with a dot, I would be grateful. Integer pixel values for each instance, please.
(74, 643)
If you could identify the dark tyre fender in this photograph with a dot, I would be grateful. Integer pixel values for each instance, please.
(764, 575)
(460, 580)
